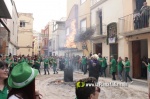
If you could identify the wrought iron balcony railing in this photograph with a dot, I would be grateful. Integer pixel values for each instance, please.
(135, 22)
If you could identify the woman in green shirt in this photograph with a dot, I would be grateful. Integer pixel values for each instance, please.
(3, 80)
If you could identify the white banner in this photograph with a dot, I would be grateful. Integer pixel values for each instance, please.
(112, 40)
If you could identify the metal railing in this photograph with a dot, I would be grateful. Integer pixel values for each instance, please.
(134, 21)
(100, 30)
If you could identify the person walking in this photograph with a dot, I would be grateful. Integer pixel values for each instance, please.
(113, 67)
(54, 64)
(127, 69)
(46, 61)
(120, 68)
(104, 66)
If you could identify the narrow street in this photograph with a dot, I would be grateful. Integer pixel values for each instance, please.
(52, 87)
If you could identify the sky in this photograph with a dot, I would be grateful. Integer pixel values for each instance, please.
(43, 11)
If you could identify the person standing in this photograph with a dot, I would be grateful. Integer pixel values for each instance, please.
(120, 68)
(3, 80)
(127, 69)
(145, 13)
(46, 61)
(104, 66)
(84, 64)
(54, 64)
(94, 67)
(113, 67)
(148, 65)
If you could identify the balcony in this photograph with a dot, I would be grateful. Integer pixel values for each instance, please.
(100, 32)
(134, 24)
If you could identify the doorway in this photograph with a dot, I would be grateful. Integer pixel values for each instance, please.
(98, 48)
(114, 50)
(139, 54)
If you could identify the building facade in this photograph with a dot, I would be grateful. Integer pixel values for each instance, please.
(25, 34)
(82, 16)
(13, 26)
(45, 39)
(6, 9)
(58, 36)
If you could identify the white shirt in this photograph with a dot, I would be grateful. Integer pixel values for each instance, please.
(13, 97)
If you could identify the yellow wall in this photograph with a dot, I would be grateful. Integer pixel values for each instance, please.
(84, 13)
(25, 34)
(128, 6)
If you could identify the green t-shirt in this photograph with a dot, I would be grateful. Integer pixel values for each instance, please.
(84, 61)
(100, 59)
(30, 62)
(120, 66)
(4, 93)
(54, 63)
(37, 63)
(104, 63)
(46, 62)
(113, 65)
(148, 67)
(127, 63)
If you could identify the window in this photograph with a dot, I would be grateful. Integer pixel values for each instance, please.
(82, 1)
(100, 22)
(83, 25)
(22, 23)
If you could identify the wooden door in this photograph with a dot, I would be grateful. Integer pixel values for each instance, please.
(136, 59)
(98, 48)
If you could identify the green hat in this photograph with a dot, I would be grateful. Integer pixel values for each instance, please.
(21, 75)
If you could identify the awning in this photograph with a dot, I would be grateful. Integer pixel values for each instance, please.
(4, 13)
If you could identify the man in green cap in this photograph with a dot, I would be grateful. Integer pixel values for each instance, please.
(113, 67)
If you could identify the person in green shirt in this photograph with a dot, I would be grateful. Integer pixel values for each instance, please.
(104, 66)
(120, 68)
(100, 59)
(46, 61)
(84, 64)
(148, 65)
(113, 67)
(54, 64)
(37, 64)
(127, 69)
(3, 80)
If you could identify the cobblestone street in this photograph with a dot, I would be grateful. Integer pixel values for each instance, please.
(52, 87)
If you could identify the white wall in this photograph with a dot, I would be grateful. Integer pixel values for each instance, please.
(111, 11)
(13, 27)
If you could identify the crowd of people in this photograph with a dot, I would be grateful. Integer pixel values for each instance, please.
(17, 73)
